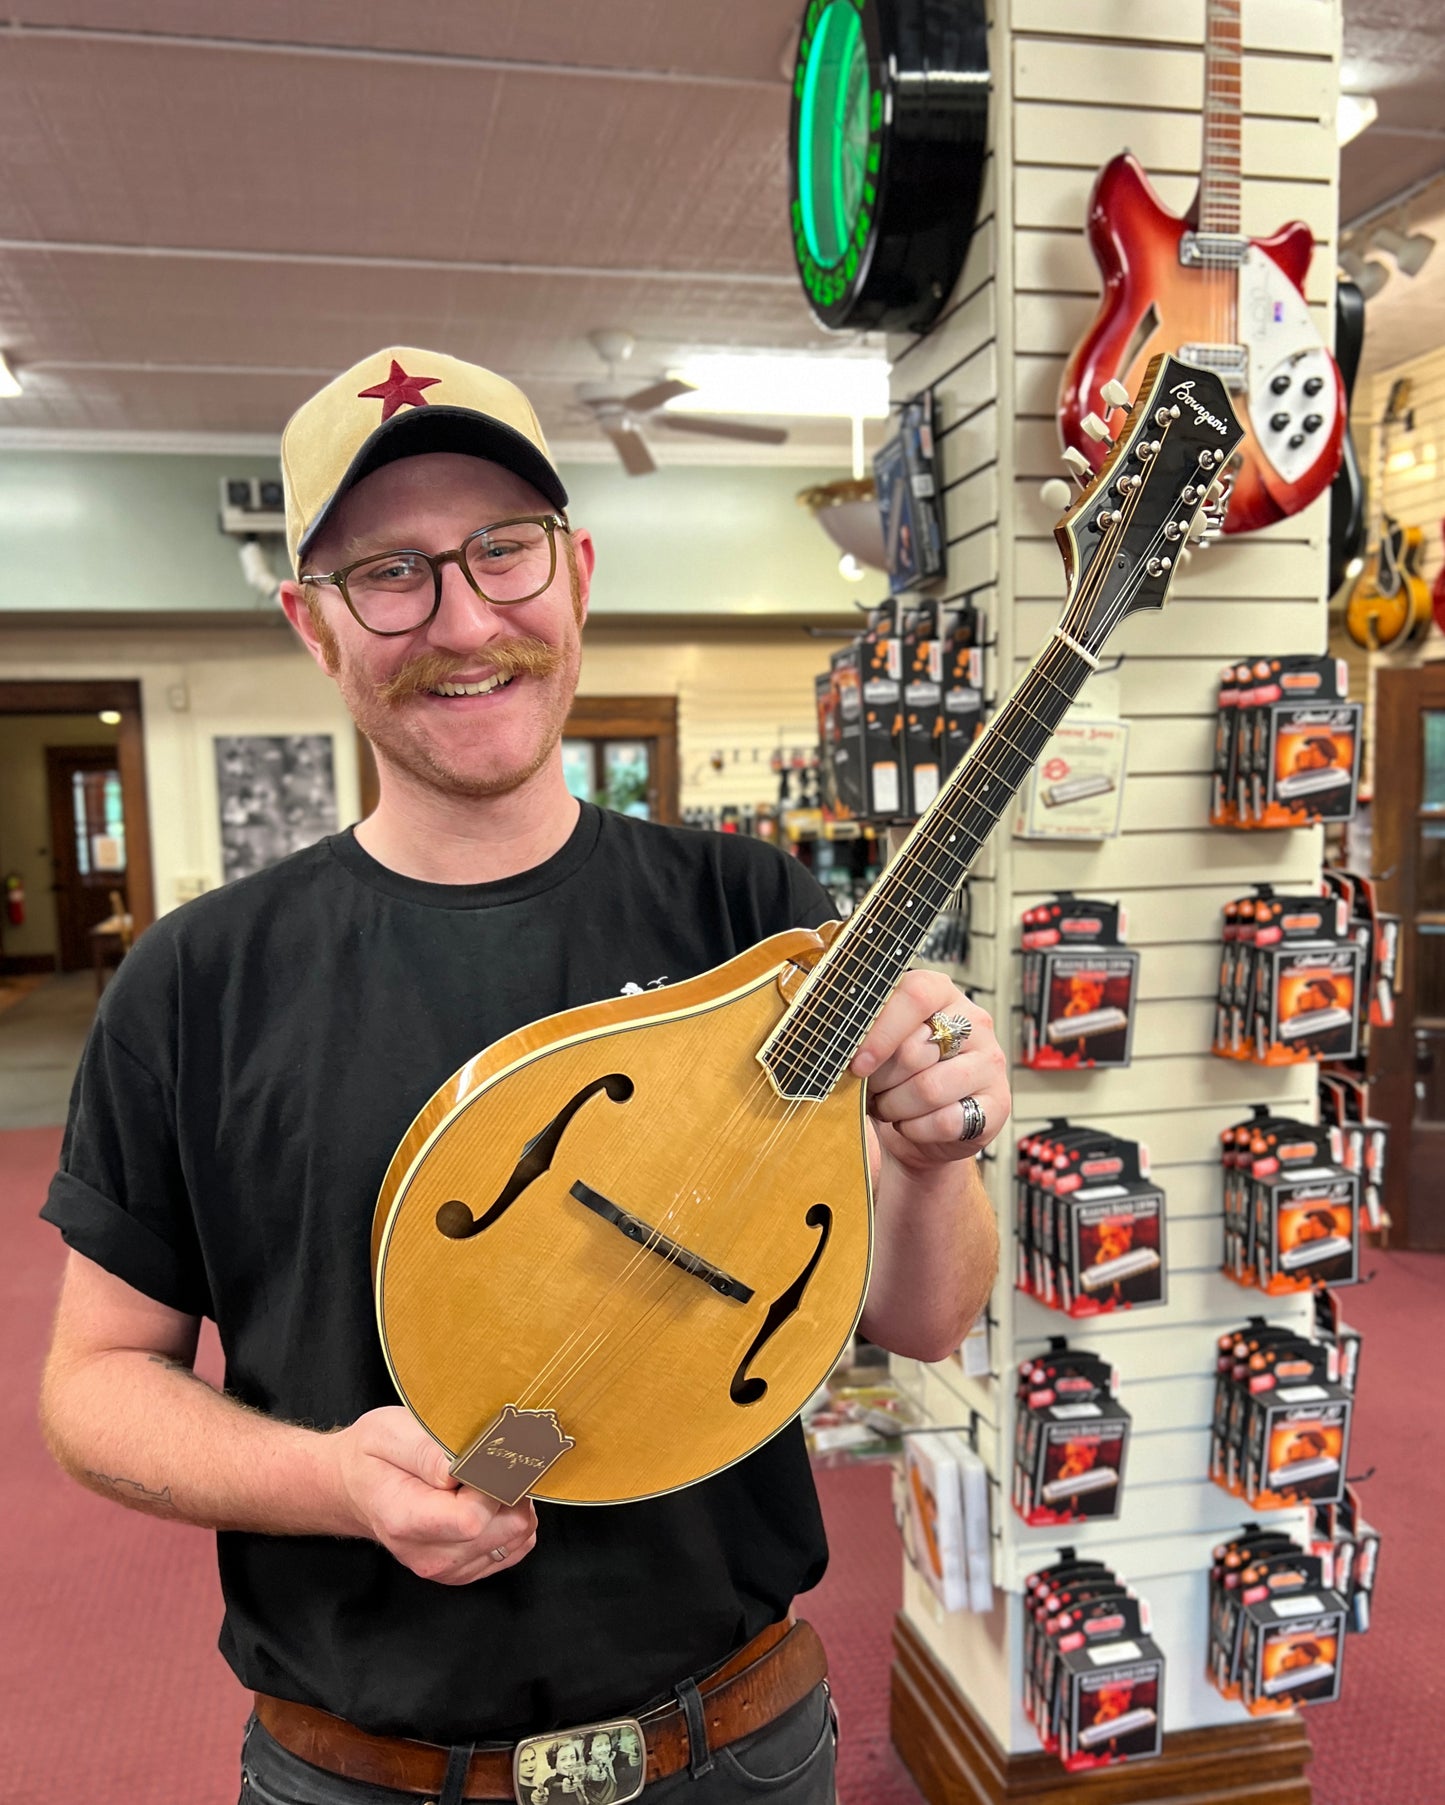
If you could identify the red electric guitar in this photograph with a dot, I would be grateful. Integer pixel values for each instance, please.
(1198, 289)
(1437, 594)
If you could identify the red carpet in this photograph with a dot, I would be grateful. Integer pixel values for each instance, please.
(114, 1691)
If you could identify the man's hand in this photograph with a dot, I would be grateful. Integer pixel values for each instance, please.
(396, 1479)
(914, 1096)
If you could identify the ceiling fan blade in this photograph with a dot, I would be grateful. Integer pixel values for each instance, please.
(658, 394)
(637, 460)
(725, 429)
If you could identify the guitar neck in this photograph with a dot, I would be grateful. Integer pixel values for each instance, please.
(1219, 177)
(812, 1046)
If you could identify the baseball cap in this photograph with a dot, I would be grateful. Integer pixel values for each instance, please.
(398, 403)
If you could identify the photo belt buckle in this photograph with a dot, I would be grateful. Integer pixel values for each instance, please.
(595, 1764)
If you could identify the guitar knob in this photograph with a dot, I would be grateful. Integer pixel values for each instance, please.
(1313, 422)
(1056, 493)
(1115, 393)
(1278, 422)
(1279, 385)
(1096, 428)
(1296, 439)
(1314, 385)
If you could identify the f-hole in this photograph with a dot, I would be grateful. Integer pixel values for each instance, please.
(745, 1390)
(455, 1219)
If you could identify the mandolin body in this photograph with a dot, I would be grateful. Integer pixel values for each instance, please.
(502, 1278)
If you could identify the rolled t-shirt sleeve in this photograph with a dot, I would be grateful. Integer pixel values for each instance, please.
(120, 1195)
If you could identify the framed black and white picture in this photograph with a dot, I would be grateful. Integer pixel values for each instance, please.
(277, 793)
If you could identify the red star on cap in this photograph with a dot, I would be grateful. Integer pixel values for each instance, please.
(398, 391)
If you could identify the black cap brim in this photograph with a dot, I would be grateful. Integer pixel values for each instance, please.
(460, 429)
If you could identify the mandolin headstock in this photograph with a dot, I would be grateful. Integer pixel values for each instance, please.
(1122, 538)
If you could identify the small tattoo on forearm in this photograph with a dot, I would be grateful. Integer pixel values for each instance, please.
(132, 1486)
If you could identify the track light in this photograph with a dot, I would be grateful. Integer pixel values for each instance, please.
(9, 381)
(1369, 277)
(1409, 253)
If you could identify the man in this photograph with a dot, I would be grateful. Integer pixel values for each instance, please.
(252, 1069)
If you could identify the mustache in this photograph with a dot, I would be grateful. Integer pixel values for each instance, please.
(523, 657)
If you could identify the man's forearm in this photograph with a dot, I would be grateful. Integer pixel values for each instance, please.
(144, 1430)
(935, 1259)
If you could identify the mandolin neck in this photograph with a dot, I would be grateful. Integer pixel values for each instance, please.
(1219, 175)
(812, 1046)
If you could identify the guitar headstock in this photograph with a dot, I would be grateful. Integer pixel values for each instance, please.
(1123, 536)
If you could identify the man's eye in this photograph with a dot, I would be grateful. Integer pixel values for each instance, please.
(394, 570)
(496, 551)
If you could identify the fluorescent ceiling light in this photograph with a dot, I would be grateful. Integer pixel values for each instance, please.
(1353, 114)
(9, 381)
(785, 383)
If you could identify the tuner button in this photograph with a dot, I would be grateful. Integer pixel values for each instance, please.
(1189, 494)
(1115, 393)
(1056, 493)
(1279, 385)
(1078, 463)
(1214, 494)
(1296, 439)
(1313, 422)
(1095, 428)
(1278, 422)
(1157, 566)
(1314, 385)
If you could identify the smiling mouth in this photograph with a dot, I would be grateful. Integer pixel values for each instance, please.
(484, 688)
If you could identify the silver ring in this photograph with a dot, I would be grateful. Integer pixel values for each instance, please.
(974, 1120)
(499, 1554)
(949, 1032)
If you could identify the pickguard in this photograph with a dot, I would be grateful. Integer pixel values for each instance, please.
(455, 1219)
(1285, 349)
(749, 1390)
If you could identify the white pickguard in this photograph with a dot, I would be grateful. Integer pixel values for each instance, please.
(1284, 346)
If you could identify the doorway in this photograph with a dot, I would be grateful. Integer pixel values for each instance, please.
(1409, 853)
(35, 847)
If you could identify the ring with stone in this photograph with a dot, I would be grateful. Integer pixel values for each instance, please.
(949, 1032)
(974, 1121)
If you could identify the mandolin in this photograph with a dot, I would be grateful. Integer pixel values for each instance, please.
(620, 1248)
(1388, 604)
(1200, 289)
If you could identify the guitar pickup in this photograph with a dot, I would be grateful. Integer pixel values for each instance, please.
(673, 1252)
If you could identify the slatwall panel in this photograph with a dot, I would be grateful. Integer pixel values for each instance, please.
(740, 697)
(1073, 86)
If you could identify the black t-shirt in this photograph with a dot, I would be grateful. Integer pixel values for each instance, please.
(253, 1066)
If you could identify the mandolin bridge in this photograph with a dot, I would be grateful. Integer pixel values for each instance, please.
(673, 1252)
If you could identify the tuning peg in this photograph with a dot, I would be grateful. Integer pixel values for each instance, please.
(1079, 465)
(1115, 393)
(1056, 493)
(1096, 429)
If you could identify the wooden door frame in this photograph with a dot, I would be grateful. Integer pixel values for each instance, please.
(1402, 694)
(62, 829)
(652, 718)
(86, 695)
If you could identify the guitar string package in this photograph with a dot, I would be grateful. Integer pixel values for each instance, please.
(945, 1518)
(1364, 1139)
(1093, 1679)
(1377, 934)
(897, 709)
(1290, 981)
(1333, 1332)
(1291, 1207)
(1287, 744)
(1071, 1436)
(1276, 1623)
(1280, 1432)
(1341, 1533)
(1089, 1221)
(1079, 984)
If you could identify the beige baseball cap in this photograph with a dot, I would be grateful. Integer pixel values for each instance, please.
(395, 404)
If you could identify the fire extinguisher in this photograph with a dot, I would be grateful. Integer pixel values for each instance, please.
(15, 899)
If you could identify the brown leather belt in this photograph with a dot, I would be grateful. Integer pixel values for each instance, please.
(767, 1677)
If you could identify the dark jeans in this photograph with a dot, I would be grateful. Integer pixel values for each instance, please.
(789, 1762)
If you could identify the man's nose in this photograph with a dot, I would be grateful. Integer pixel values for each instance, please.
(464, 620)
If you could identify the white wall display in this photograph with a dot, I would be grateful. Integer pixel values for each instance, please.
(277, 794)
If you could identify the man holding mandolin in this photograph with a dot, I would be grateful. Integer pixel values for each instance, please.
(607, 1207)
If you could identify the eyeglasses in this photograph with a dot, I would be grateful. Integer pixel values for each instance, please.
(397, 592)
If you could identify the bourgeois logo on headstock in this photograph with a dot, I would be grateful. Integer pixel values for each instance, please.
(1123, 538)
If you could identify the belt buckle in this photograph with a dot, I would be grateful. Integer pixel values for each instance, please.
(593, 1764)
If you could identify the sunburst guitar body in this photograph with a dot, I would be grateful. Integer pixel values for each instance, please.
(1233, 304)
(617, 1251)
(1389, 602)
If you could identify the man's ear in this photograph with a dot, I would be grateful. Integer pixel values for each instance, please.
(318, 642)
(586, 563)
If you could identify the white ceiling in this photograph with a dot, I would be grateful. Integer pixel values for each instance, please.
(205, 211)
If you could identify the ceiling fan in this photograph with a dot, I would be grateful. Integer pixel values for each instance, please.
(621, 415)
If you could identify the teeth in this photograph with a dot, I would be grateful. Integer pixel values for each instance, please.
(471, 689)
